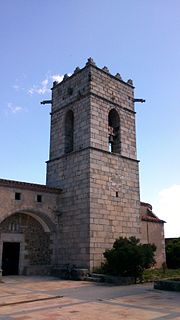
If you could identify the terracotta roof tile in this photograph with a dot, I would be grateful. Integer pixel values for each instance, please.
(148, 215)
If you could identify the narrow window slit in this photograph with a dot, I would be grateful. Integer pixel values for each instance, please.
(39, 198)
(17, 196)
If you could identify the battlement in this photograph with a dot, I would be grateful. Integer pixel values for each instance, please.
(90, 62)
(88, 81)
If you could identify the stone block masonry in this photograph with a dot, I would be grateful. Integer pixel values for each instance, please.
(28, 217)
(114, 201)
(100, 199)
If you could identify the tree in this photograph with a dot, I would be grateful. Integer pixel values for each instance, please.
(129, 257)
(173, 254)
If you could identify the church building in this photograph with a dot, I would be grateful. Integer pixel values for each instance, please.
(92, 195)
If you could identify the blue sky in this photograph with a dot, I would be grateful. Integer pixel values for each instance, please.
(42, 40)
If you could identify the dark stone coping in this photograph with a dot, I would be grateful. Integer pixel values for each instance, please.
(112, 102)
(168, 284)
(92, 148)
(77, 98)
(28, 186)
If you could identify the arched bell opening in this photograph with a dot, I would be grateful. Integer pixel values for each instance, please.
(69, 131)
(114, 131)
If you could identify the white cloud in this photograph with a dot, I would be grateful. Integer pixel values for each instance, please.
(41, 89)
(45, 84)
(168, 208)
(57, 77)
(13, 108)
(16, 87)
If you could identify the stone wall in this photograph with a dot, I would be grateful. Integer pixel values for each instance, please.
(108, 92)
(28, 215)
(152, 231)
(114, 177)
(38, 249)
(28, 199)
(100, 199)
(114, 202)
(71, 94)
(73, 232)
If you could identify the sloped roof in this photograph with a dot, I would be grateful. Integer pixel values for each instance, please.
(28, 186)
(147, 213)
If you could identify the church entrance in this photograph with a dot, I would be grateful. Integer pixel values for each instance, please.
(26, 245)
(10, 258)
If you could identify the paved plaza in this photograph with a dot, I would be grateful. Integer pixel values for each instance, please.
(42, 298)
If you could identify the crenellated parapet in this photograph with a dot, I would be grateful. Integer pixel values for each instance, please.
(90, 62)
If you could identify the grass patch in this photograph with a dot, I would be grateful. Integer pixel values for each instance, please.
(158, 274)
(150, 275)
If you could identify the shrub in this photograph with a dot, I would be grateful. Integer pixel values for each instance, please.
(129, 257)
(173, 254)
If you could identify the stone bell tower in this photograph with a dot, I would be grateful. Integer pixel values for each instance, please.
(93, 160)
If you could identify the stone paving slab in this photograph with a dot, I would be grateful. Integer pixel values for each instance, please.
(42, 298)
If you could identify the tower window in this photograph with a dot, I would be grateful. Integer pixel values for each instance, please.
(14, 226)
(114, 131)
(17, 196)
(69, 132)
(39, 198)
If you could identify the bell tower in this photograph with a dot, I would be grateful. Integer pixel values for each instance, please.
(93, 160)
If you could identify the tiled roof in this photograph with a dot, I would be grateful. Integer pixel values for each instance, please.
(28, 186)
(148, 215)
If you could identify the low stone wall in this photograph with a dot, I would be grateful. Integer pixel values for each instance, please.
(169, 285)
(111, 279)
(34, 270)
(68, 273)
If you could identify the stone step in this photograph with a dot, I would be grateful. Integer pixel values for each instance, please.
(110, 279)
(94, 279)
(98, 275)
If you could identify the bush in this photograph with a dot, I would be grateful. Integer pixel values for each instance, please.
(173, 254)
(129, 257)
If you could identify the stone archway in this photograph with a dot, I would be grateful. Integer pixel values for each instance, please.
(33, 233)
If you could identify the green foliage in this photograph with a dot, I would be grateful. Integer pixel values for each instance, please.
(157, 274)
(129, 257)
(173, 254)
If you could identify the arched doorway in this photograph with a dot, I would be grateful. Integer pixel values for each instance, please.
(26, 244)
